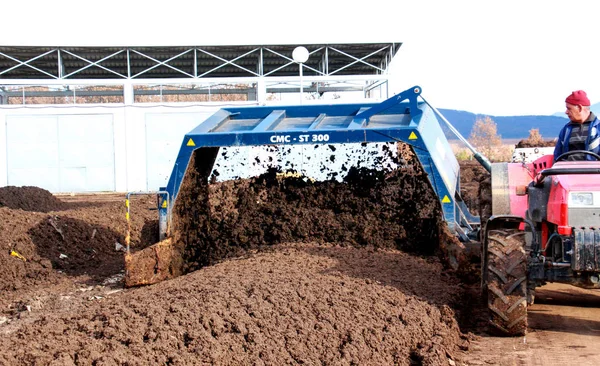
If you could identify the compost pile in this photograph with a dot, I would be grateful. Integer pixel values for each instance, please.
(29, 199)
(475, 187)
(535, 141)
(289, 271)
(396, 209)
(65, 238)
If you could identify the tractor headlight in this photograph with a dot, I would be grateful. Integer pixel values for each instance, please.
(581, 199)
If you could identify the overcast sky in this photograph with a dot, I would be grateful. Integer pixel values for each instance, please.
(510, 57)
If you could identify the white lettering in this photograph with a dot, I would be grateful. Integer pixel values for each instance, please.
(320, 138)
(286, 139)
(280, 139)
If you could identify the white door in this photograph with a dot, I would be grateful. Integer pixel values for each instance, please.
(86, 153)
(32, 151)
(61, 153)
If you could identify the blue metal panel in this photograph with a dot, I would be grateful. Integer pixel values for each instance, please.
(270, 122)
(317, 121)
(398, 119)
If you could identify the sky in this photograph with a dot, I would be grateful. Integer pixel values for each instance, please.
(501, 58)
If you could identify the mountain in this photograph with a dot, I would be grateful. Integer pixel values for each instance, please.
(594, 107)
(509, 127)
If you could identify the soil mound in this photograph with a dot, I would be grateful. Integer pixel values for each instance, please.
(81, 241)
(535, 139)
(313, 275)
(300, 304)
(543, 143)
(77, 247)
(30, 198)
(396, 209)
(472, 175)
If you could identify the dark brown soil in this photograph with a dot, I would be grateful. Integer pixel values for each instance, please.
(301, 304)
(79, 237)
(30, 199)
(347, 274)
(535, 143)
(384, 210)
(472, 175)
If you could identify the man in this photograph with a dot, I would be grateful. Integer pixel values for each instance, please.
(582, 131)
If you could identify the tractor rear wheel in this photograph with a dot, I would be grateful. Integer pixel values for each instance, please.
(505, 281)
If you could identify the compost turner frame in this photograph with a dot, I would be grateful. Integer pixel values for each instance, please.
(401, 118)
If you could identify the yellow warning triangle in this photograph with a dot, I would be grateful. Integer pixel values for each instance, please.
(412, 136)
(446, 199)
(191, 142)
(164, 205)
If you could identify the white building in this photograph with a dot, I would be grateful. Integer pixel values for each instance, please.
(97, 119)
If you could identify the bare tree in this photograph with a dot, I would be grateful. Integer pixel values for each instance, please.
(484, 136)
(535, 137)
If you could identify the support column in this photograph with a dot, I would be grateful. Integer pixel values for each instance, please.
(261, 87)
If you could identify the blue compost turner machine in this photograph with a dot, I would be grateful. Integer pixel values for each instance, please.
(317, 142)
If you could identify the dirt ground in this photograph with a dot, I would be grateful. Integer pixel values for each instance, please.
(293, 301)
(311, 303)
(563, 329)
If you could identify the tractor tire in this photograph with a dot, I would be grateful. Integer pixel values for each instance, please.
(505, 282)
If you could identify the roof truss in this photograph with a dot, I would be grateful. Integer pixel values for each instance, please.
(70, 63)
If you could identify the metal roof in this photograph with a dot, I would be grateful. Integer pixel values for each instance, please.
(60, 63)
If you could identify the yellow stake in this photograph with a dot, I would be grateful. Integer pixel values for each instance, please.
(15, 254)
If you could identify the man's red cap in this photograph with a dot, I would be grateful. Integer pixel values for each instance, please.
(578, 97)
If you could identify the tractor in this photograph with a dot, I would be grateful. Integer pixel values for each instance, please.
(544, 227)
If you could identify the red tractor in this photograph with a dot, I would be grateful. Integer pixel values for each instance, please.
(544, 227)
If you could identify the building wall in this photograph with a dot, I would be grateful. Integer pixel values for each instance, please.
(92, 149)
